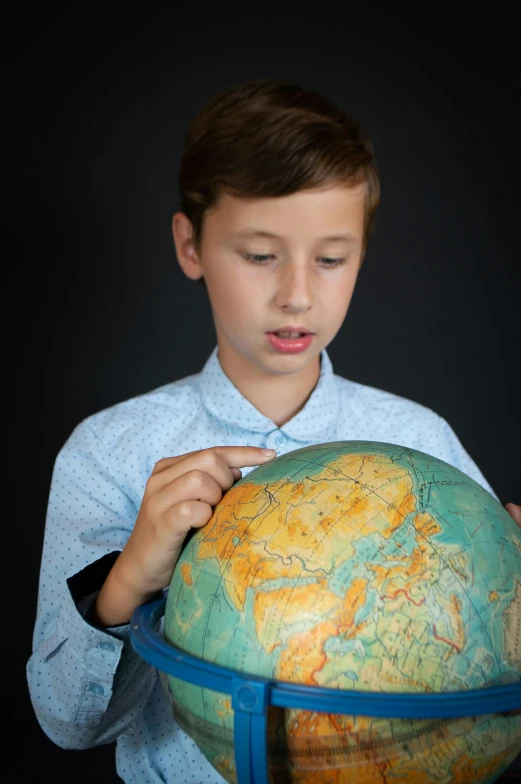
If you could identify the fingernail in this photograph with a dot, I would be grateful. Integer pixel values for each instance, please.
(268, 452)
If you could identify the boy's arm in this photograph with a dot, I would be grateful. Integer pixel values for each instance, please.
(86, 684)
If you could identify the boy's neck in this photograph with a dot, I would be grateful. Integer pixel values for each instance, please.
(278, 397)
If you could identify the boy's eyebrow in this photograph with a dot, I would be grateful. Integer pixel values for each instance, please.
(252, 232)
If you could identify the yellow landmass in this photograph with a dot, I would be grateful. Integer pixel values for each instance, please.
(320, 612)
(452, 630)
(409, 576)
(272, 540)
(468, 771)
(426, 525)
(458, 564)
(512, 632)
(186, 573)
(224, 707)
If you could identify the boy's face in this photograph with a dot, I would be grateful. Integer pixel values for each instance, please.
(259, 285)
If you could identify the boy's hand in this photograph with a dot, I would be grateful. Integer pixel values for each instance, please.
(179, 495)
(515, 512)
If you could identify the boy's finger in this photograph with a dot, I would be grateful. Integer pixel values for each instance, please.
(242, 456)
(515, 512)
(234, 456)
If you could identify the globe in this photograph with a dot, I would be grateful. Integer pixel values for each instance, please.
(354, 565)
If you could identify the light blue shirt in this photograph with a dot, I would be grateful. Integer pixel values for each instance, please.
(89, 686)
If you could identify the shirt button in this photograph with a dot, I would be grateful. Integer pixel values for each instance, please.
(107, 646)
(97, 689)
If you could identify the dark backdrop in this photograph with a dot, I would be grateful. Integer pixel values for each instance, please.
(96, 309)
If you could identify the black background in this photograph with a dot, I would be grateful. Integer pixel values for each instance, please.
(96, 309)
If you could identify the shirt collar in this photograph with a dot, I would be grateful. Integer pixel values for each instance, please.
(313, 423)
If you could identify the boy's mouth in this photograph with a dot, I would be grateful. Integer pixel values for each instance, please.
(290, 332)
(290, 340)
(292, 335)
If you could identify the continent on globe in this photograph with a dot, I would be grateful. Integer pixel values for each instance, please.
(512, 620)
(354, 565)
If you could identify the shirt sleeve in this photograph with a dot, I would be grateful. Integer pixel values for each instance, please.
(452, 451)
(87, 685)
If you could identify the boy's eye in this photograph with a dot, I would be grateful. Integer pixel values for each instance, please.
(258, 258)
(332, 262)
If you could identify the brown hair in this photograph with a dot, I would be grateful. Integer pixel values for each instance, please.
(269, 138)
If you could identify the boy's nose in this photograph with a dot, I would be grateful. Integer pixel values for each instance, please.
(294, 292)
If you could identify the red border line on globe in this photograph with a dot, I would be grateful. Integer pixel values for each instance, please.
(444, 639)
(402, 590)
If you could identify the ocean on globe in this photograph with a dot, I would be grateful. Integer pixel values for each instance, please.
(354, 565)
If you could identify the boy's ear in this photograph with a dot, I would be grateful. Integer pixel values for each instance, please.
(182, 231)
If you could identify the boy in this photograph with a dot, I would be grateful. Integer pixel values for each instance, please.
(278, 192)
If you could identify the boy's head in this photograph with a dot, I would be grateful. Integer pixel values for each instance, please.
(266, 139)
(278, 191)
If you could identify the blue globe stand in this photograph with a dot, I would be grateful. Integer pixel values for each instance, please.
(251, 695)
